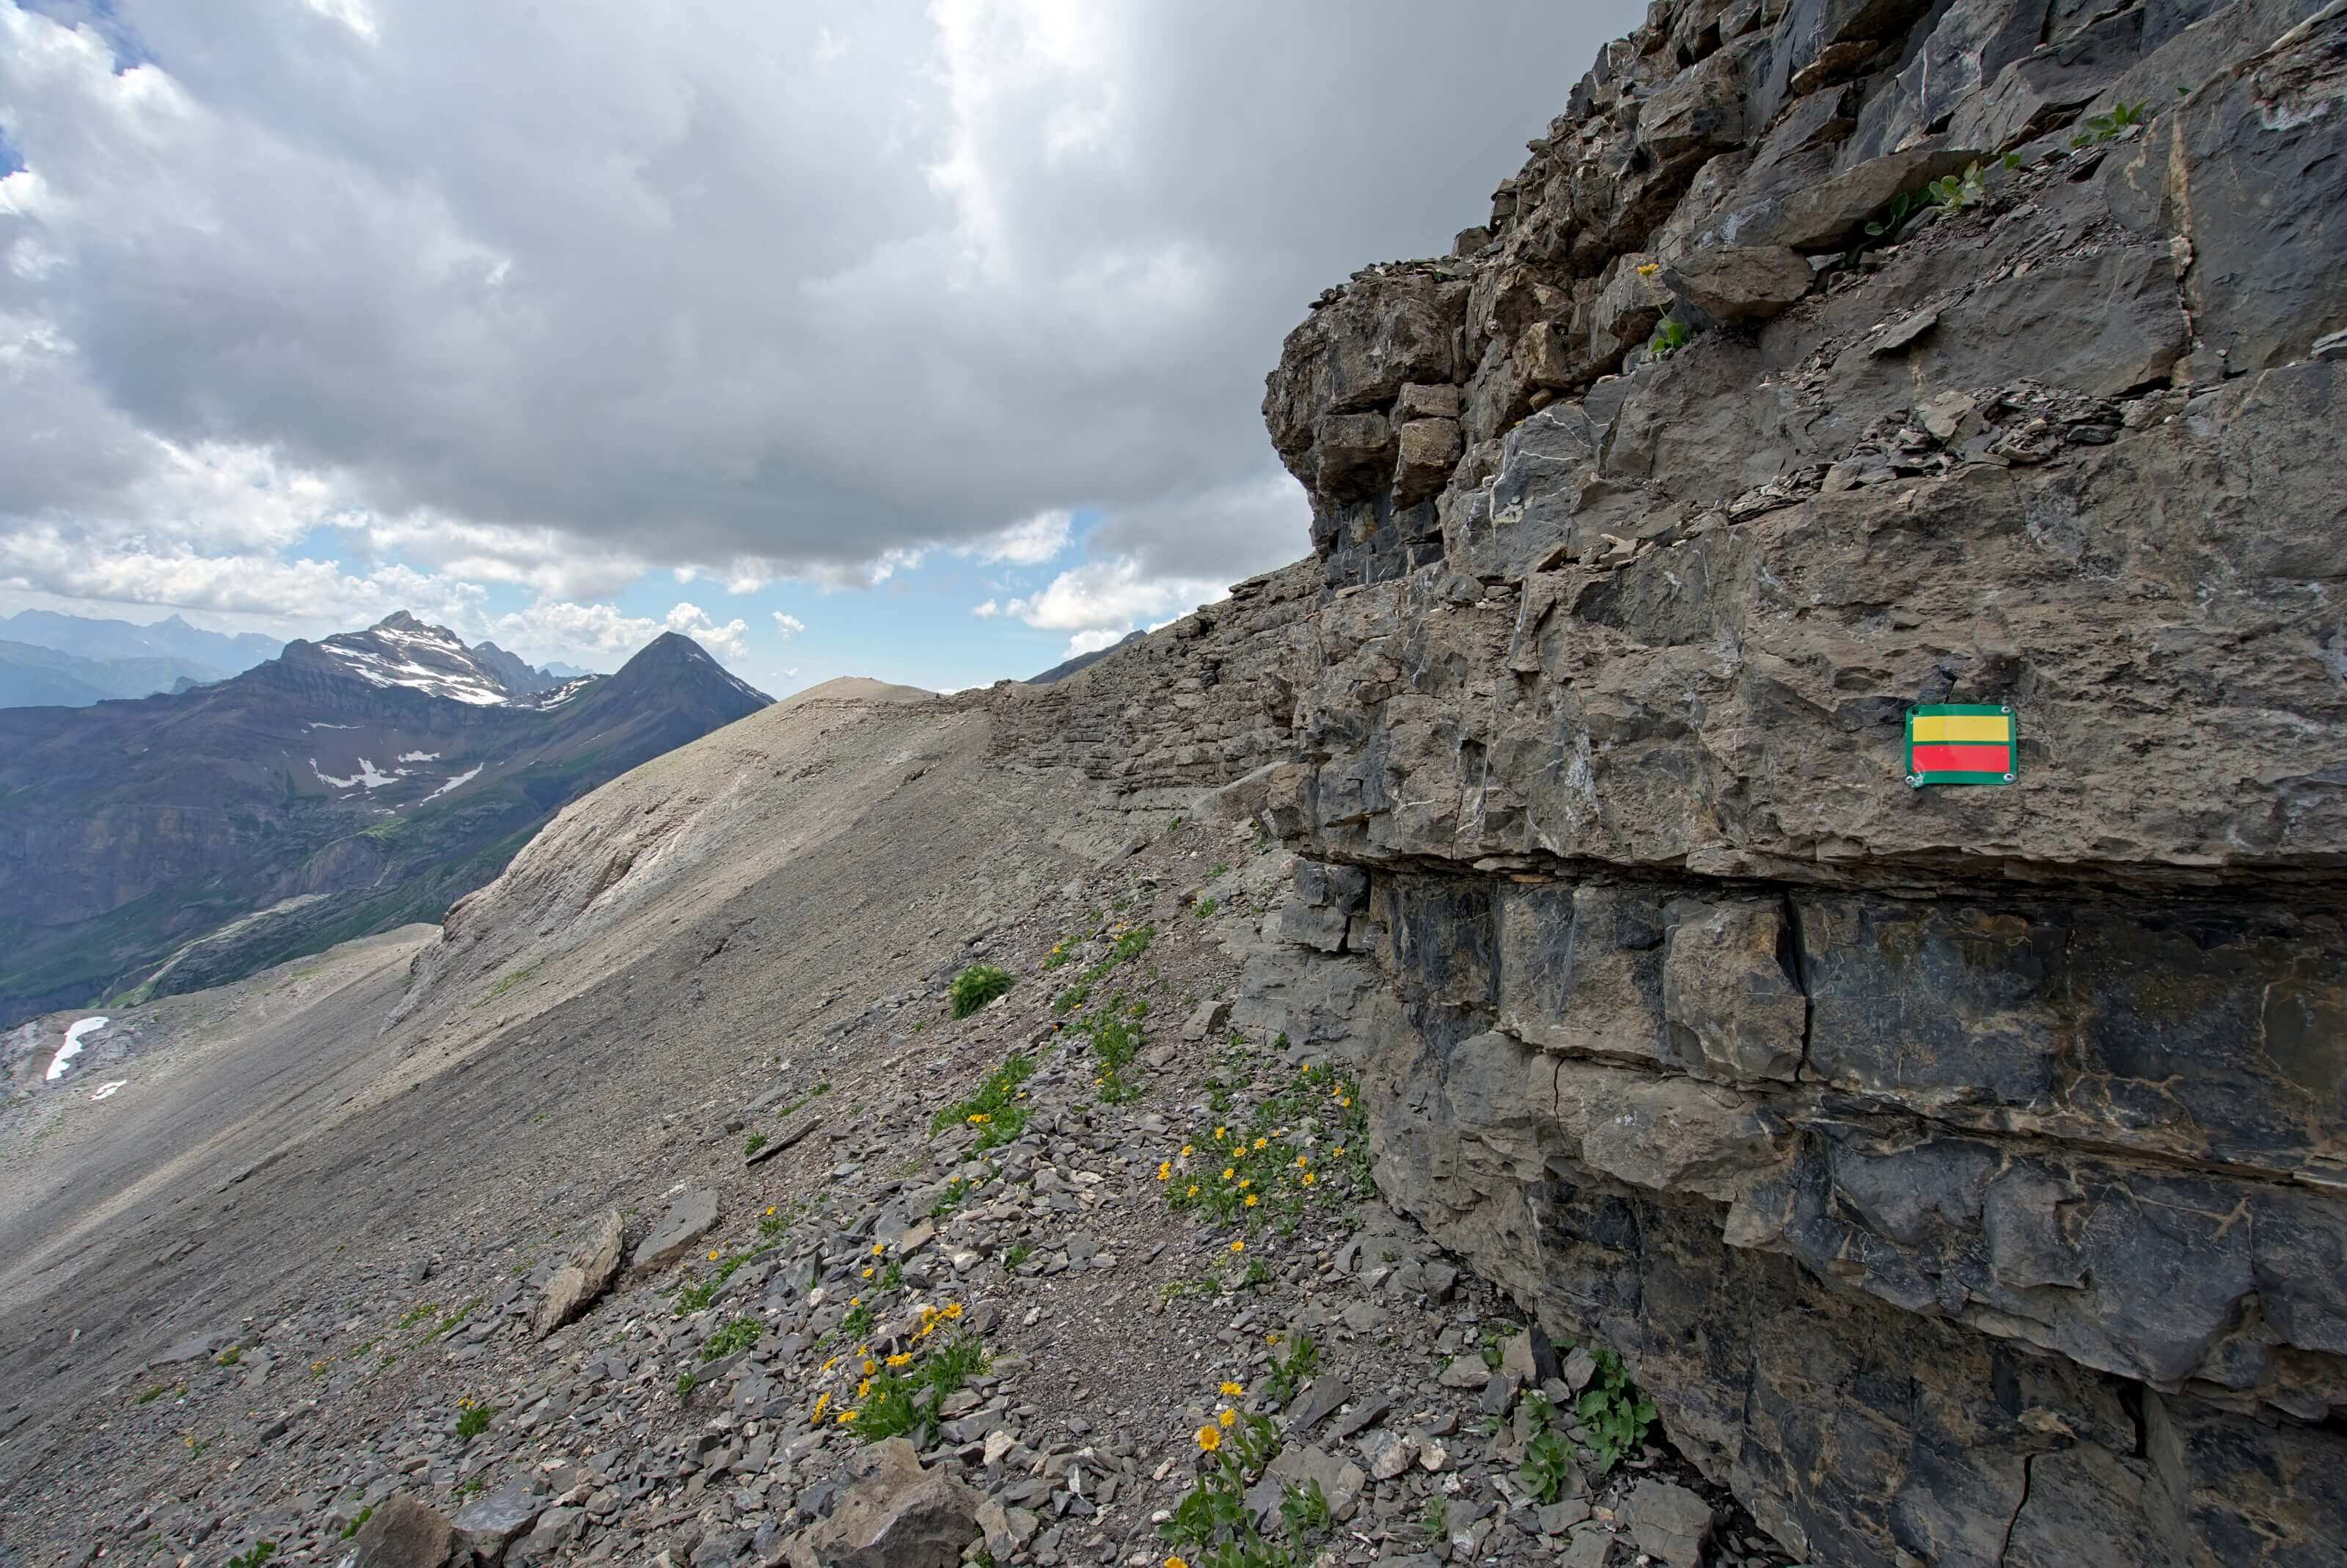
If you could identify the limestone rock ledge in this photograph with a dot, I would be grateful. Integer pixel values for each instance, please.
(1964, 1172)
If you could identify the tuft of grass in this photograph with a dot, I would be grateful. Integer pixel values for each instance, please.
(473, 1419)
(1017, 1256)
(685, 1383)
(757, 1142)
(350, 1531)
(262, 1551)
(977, 986)
(732, 1339)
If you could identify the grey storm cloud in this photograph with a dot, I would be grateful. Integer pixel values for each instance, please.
(800, 284)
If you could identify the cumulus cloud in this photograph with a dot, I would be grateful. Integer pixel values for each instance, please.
(797, 292)
(1028, 543)
(727, 641)
(788, 626)
(986, 611)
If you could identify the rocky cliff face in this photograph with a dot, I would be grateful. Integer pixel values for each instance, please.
(1962, 1170)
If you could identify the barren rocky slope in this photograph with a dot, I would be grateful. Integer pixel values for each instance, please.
(1957, 1170)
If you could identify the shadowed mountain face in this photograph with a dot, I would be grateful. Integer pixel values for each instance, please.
(347, 786)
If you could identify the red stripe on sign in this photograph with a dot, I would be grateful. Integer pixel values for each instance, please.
(1945, 759)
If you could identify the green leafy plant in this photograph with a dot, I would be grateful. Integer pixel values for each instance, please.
(1203, 908)
(1305, 1511)
(905, 1393)
(956, 1193)
(734, 1339)
(1613, 1412)
(757, 1142)
(858, 1321)
(977, 986)
(1017, 1256)
(1305, 1143)
(1671, 336)
(473, 1419)
(1116, 1040)
(1290, 1367)
(1212, 1523)
(1435, 1523)
(1903, 206)
(685, 1383)
(350, 1531)
(2123, 117)
(1954, 192)
(261, 1552)
(1129, 943)
(994, 1110)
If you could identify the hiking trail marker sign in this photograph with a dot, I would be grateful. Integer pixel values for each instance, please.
(1963, 743)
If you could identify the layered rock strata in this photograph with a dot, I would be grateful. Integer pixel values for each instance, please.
(1963, 1171)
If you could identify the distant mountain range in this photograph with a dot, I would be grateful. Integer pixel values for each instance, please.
(343, 787)
(72, 661)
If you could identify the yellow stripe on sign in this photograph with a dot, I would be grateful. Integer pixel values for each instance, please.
(1973, 727)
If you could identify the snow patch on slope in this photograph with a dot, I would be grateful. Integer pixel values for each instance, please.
(72, 1047)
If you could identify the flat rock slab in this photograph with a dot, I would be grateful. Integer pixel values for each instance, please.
(789, 1136)
(491, 1523)
(691, 1217)
(586, 1276)
(1670, 1523)
(403, 1533)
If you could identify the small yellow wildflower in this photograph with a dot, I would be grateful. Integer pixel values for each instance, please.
(1238, 1246)
(1175, 1563)
(1251, 1200)
(867, 1273)
(846, 1416)
(1261, 1143)
(979, 1119)
(863, 1388)
(822, 1403)
(1648, 269)
(1308, 1178)
(953, 1309)
(855, 1301)
(870, 1366)
(1186, 1151)
(1229, 1171)
(1232, 1390)
(1210, 1438)
(769, 1208)
(1337, 1150)
(1192, 1192)
(878, 1248)
(1302, 1161)
(1218, 1133)
(712, 1254)
(901, 1359)
(1164, 1170)
(1229, 1416)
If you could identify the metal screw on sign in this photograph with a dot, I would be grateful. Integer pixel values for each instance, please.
(1914, 781)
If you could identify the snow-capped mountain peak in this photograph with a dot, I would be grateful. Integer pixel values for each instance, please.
(401, 651)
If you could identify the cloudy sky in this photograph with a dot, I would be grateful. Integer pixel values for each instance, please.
(924, 341)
